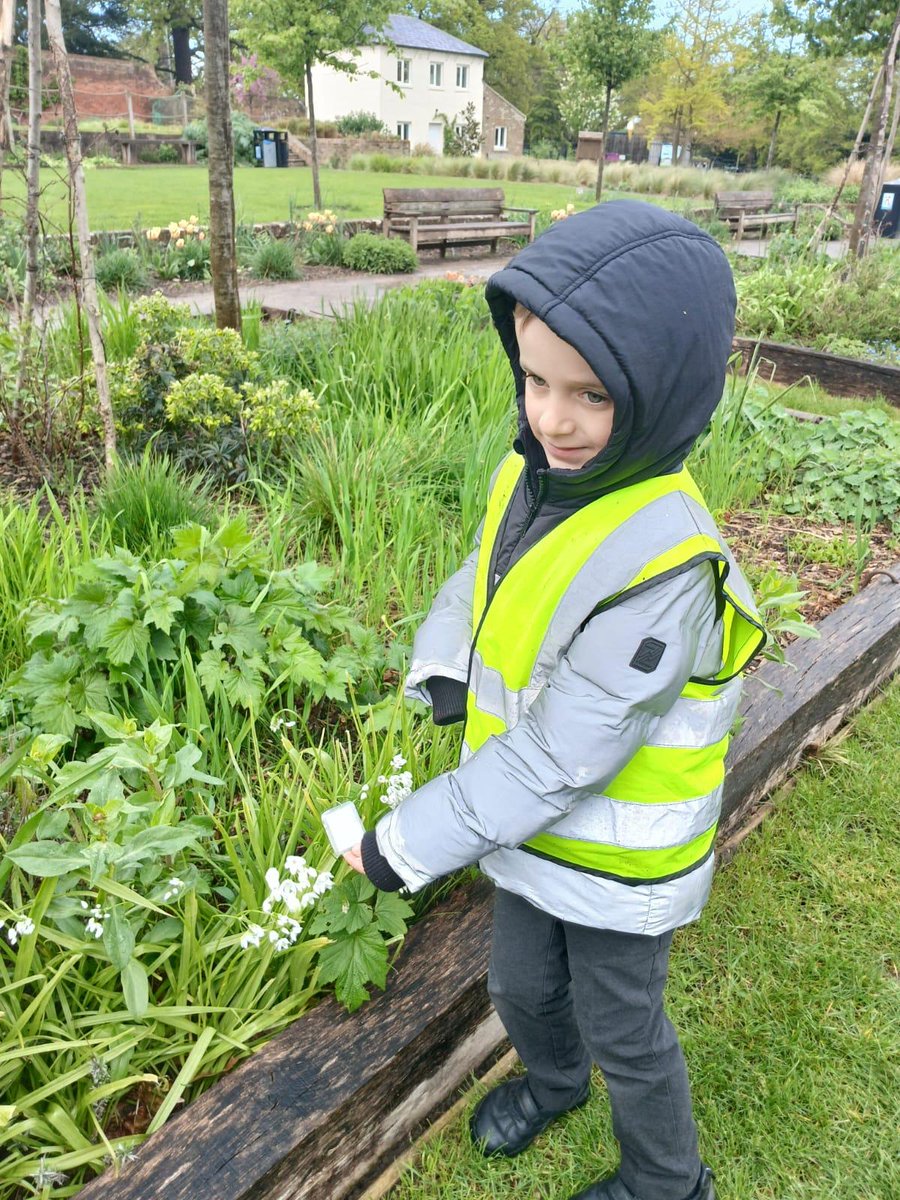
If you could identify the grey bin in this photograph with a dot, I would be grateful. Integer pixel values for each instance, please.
(887, 214)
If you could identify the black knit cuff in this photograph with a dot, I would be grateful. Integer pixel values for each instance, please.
(448, 699)
(377, 867)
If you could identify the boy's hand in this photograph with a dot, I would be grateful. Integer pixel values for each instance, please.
(353, 856)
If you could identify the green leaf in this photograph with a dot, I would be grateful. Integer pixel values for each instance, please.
(212, 670)
(125, 638)
(118, 938)
(45, 746)
(352, 962)
(161, 610)
(47, 859)
(344, 908)
(136, 988)
(304, 664)
(392, 914)
(239, 628)
(163, 839)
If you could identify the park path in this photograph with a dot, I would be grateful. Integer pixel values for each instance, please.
(315, 297)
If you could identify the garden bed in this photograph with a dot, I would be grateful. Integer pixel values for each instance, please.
(326, 1105)
(836, 373)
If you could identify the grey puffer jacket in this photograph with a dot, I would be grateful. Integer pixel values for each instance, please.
(648, 301)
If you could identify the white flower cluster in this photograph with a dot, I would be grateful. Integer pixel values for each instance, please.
(15, 930)
(173, 888)
(94, 923)
(399, 785)
(295, 894)
(280, 723)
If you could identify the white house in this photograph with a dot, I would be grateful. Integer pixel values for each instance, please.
(437, 73)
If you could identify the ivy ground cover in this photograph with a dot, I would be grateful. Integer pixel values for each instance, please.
(205, 652)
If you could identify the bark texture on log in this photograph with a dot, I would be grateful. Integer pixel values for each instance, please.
(318, 1112)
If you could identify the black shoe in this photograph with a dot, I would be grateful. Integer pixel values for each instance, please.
(508, 1119)
(615, 1189)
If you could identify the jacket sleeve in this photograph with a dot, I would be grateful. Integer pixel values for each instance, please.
(587, 722)
(444, 639)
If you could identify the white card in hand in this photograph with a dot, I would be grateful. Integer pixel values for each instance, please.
(343, 826)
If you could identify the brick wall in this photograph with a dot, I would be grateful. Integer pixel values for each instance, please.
(499, 111)
(103, 84)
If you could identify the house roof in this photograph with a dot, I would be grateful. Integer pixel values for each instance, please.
(419, 35)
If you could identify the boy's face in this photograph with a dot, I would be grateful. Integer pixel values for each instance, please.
(568, 408)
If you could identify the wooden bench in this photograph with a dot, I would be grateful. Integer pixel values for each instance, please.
(751, 210)
(452, 217)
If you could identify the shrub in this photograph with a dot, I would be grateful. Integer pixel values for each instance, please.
(241, 131)
(379, 255)
(421, 150)
(274, 259)
(121, 269)
(358, 123)
(200, 395)
(299, 126)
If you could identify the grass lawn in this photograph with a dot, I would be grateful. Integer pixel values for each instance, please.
(155, 195)
(785, 995)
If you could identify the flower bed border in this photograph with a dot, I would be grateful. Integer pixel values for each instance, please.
(837, 374)
(326, 1105)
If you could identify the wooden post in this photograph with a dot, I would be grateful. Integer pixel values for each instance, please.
(184, 108)
(130, 114)
(739, 233)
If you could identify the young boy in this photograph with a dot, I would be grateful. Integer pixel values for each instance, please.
(593, 643)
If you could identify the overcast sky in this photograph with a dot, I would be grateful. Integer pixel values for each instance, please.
(737, 8)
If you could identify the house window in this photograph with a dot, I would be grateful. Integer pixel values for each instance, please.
(462, 76)
(500, 137)
(436, 74)
(403, 130)
(403, 70)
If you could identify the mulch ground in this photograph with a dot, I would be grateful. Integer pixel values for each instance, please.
(759, 538)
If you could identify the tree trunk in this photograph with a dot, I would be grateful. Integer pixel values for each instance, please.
(892, 138)
(862, 221)
(87, 285)
(313, 139)
(822, 227)
(32, 186)
(7, 50)
(676, 137)
(181, 49)
(770, 157)
(220, 153)
(599, 191)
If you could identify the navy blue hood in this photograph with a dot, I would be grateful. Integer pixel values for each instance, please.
(648, 300)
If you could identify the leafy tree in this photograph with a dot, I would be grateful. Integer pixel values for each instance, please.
(778, 80)
(689, 83)
(462, 135)
(292, 35)
(89, 26)
(608, 42)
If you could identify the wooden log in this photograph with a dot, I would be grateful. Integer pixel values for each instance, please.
(839, 375)
(321, 1110)
(827, 679)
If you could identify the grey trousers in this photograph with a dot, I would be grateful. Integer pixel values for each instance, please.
(569, 995)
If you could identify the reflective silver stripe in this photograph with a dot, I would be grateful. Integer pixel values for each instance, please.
(600, 903)
(692, 723)
(639, 826)
(651, 531)
(465, 754)
(494, 697)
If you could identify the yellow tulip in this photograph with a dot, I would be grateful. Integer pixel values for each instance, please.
(179, 243)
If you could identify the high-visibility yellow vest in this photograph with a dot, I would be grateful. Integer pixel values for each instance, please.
(594, 558)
